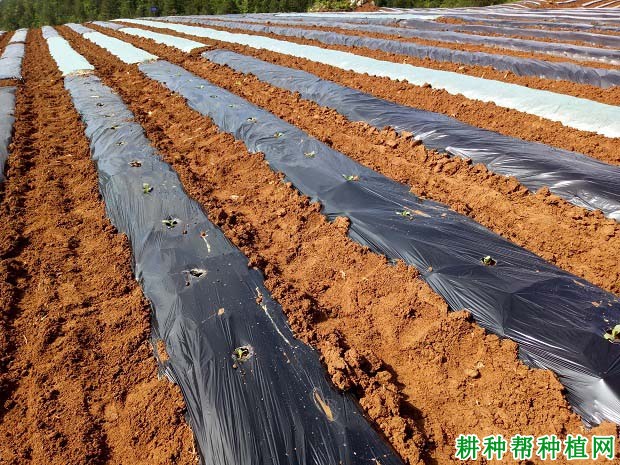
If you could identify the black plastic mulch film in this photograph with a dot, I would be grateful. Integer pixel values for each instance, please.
(7, 118)
(579, 179)
(521, 66)
(557, 319)
(255, 395)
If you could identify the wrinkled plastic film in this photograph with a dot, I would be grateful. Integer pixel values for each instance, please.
(571, 111)
(579, 179)
(11, 61)
(590, 38)
(520, 66)
(553, 316)
(7, 118)
(19, 36)
(436, 53)
(127, 53)
(276, 406)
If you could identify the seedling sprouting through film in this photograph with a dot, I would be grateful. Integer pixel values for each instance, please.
(488, 261)
(613, 334)
(310, 154)
(170, 222)
(405, 214)
(147, 188)
(351, 177)
(241, 355)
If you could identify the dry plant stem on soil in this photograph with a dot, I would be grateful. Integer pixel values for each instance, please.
(476, 113)
(610, 96)
(78, 382)
(582, 242)
(424, 375)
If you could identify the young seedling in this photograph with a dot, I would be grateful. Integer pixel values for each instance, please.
(170, 222)
(135, 163)
(277, 135)
(113, 128)
(488, 261)
(251, 120)
(241, 355)
(405, 214)
(613, 335)
(350, 177)
(310, 154)
(147, 188)
(120, 143)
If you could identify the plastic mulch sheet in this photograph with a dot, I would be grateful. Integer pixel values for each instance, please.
(255, 395)
(11, 61)
(576, 52)
(557, 319)
(579, 179)
(7, 118)
(571, 111)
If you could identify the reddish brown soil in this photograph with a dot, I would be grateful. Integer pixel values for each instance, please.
(78, 381)
(484, 115)
(381, 331)
(584, 243)
(610, 95)
(369, 6)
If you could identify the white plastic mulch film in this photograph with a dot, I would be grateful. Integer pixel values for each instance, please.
(571, 111)
(67, 59)
(180, 43)
(124, 51)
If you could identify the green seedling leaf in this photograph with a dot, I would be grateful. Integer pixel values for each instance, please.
(170, 222)
(310, 154)
(350, 177)
(135, 163)
(277, 135)
(488, 261)
(146, 188)
(613, 335)
(252, 120)
(241, 355)
(405, 214)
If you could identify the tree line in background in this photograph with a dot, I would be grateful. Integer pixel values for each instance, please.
(34, 13)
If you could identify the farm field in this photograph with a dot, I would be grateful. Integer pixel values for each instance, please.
(311, 238)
